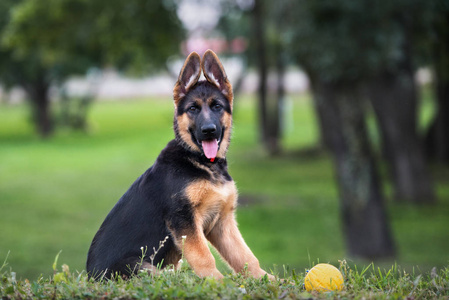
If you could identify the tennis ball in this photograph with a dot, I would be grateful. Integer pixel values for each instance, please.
(323, 278)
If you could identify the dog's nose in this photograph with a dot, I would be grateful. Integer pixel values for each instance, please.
(208, 129)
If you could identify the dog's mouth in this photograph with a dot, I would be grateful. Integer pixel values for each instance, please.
(210, 147)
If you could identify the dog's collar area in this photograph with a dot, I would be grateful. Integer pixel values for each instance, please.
(212, 161)
(198, 154)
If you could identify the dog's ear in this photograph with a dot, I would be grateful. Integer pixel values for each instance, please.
(188, 77)
(215, 73)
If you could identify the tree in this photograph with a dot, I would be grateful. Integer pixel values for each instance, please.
(259, 24)
(269, 123)
(271, 65)
(27, 72)
(374, 43)
(437, 138)
(45, 41)
(393, 94)
(331, 41)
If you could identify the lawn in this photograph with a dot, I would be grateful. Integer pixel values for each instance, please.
(54, 194)
(366, 283)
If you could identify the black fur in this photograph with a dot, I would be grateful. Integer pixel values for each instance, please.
(155, 206)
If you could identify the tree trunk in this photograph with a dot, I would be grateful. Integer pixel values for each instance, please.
(38, 93)
(394, 100)
(280, 93)
(275, 96)
(365, 223)
(267, 91)
(437, 139)
(261, 62)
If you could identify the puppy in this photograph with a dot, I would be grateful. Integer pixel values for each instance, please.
(187, 197)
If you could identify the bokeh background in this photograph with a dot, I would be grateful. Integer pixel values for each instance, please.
(340, 146)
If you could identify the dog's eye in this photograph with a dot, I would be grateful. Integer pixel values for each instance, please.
(217, 106)
(193, 108)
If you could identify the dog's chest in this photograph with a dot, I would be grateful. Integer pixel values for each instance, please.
(211, 200)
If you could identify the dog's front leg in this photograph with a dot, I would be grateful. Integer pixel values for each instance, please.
(197, 253)
(226, 238)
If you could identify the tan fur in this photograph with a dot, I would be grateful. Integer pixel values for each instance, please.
(227, 125)
(229, 94)
(178, 94)
(183, 129)
(210, 201)
(198, 255)
(214, 206)
(226, 238)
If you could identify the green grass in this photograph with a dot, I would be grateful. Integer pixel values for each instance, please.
(54, 194)
(370, 282)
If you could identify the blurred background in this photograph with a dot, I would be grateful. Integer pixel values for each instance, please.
(341, 123)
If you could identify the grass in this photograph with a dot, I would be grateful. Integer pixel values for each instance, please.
(370, 282)
(54, 194)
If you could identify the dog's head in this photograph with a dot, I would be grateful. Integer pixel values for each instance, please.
(203, 109)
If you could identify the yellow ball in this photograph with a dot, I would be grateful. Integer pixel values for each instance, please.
(323, 278)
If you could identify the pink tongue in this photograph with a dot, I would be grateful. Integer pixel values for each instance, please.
(210, 148)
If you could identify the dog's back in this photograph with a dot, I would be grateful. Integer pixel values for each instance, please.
(139, 219)
(132, 223)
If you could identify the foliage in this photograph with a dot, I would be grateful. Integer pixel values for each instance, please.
(44, 42)
(13, 69)
(350, 40)
(340, 40)
(138, 34)
(370, 282)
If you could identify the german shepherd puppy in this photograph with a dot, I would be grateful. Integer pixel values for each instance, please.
(187, 195)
